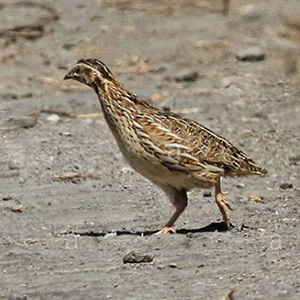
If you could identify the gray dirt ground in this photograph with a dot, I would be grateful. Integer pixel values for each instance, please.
(58, 237)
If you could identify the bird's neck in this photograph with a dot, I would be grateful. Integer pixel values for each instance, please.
(115, 99)
(119, 108)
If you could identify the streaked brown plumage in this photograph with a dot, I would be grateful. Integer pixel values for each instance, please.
(174, 152)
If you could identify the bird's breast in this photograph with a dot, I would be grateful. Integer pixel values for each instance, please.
(144, 162)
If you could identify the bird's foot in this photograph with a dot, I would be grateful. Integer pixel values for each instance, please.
(220, 199)
(165, 230)
(223, 204)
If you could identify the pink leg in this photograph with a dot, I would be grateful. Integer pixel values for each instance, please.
(222, 203)
(179, 200)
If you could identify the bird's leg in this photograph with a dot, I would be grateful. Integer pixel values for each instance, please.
(179, 199)
(222, 203)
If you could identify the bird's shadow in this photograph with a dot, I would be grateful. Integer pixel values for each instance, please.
(220, 226)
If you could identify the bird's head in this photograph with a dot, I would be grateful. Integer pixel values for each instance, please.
(91, 72)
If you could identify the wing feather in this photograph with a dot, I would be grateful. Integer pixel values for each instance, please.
(188, 146)
(172, 149)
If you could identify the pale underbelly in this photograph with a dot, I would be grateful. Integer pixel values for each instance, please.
(155, 171)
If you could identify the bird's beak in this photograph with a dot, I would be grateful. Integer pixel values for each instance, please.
(67, 76)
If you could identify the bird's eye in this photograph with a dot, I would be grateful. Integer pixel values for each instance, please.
(76, 72)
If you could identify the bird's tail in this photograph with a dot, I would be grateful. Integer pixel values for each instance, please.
(253, 168)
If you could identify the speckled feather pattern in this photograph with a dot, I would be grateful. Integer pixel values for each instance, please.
(166, 148)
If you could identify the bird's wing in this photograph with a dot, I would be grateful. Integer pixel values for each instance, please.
(183, 144)
(173, 145)
(212, 149)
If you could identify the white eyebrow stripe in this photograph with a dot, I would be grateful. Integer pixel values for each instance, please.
(94, 70)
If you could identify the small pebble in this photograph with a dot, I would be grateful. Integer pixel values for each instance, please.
(66, 133)
(294, 160)
(7, 198)
(286, 185)
(251, 54)
(126, 170)
(173, 265)
(282, 293)
(207, 194)
(240, 185)
(226, 82)
(69, 46)
(255, 198)
(13, 165)
(18, 209)
(54, 118)
(187, 76)
(134, 257)
(260, 115)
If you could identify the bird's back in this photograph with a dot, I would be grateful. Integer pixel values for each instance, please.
(192, 144)
(177, 143)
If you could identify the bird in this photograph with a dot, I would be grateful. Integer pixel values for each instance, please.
(176, 153)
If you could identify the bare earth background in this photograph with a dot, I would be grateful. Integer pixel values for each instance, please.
(70, 205)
